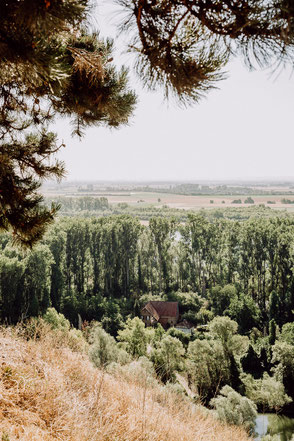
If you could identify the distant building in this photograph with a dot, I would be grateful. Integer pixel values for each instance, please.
(165, 313)
(185, 327)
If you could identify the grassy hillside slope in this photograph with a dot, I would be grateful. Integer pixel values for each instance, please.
(49, 392)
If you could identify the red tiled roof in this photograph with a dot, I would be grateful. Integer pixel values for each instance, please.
(162, 309)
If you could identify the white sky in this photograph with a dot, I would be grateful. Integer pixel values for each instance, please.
(243, 130)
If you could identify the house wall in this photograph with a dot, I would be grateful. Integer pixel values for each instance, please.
(147, 319)
(168, 320)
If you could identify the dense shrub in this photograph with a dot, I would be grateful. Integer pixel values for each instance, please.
(232, 408)
(267, 392)
(56, 320)
(104, 349)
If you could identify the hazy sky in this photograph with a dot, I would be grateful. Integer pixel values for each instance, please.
(242, 130)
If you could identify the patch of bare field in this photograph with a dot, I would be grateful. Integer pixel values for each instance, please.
(49, 393)
(188, 202)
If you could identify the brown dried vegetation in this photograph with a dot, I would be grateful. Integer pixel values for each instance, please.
(51, 392)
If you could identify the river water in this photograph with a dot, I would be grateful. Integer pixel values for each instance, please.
(271, 424)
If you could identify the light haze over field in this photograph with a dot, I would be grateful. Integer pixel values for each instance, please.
(243, 130)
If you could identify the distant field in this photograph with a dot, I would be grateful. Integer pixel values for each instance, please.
(195, 202)
(136, 198)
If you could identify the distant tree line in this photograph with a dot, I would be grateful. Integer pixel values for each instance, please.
(69, 204)
(92, 205)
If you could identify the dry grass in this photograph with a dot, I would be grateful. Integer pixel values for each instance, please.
(48, 392)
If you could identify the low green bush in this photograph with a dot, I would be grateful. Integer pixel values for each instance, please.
(233, 408)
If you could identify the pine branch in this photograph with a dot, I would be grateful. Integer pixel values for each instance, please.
(49, 66)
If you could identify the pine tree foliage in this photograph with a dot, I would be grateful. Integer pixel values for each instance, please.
(20, 163)
(50, 65)
(184, 44)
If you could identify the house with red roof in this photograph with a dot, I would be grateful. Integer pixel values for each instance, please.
(165, 313)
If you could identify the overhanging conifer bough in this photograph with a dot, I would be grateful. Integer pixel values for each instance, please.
(184, 44)
(50, 65)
